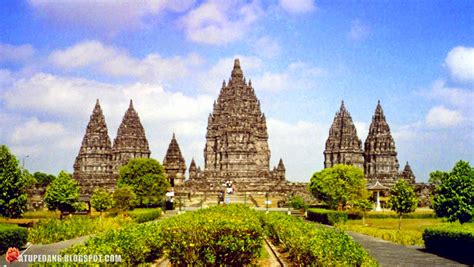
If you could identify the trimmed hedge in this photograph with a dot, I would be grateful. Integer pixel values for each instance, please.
(54, 230)
(357, 215)
(12, 236)
(144, 215)
(215, 236)
(451, 240)
(308, 244)
(230, 236)
(329, 217)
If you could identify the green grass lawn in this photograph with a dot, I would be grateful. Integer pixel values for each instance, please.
(387, 229)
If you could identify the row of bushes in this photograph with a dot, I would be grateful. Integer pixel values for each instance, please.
(402, 237)
(229, 235)
(357, 215)
(308, 244)
(329, 217)
(12, 236)
(451, 240)
(54, 230)
(144, 215)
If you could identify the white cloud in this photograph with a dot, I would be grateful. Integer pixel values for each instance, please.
(362, 130)
(302, 155)
(267, 47)
(220, 22)
(12, 53)
(460, 63)
(457, 97)
(298, 6)
(106, 15)
(33, 129)
(298, 75)
(359, 31)
(117, 62)
(441, 116)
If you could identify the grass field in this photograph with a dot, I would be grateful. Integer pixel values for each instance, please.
(387, 229)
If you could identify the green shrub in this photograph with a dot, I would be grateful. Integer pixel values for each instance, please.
(393, 215)
(297, 202)
(12, 236)
(216, 236)
(55, 230)
(136, 244)
(308, 244)
(451, 240)
(330, 217)
(144, 215)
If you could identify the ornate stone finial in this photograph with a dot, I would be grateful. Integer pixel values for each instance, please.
(131, 104)
(250, 82)
(237, 74)
(223, 83)
(97, 102)
(174, 136)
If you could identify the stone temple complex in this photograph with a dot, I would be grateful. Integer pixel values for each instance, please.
(379, 156)
(236, 146)
(97, 163)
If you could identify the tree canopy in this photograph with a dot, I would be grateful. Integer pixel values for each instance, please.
(453, 197)
(339, 185)
(147, 179)
(14, 182)
(63, 193)
(43, 179)
(402, 198)
(101, 200)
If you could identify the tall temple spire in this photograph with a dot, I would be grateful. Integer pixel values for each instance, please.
(174, 163)
(93, 165)
(131, 141)
(343, 146)
(380, 154)
(236, 138)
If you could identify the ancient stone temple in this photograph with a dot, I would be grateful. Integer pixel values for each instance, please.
(343, 146)
(93, 166)
(407, 174)
(131, 141)
(236, 141)
(380, 155)
(174, 164)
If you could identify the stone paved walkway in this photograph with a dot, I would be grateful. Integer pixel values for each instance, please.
(49, 249)
(390, 254)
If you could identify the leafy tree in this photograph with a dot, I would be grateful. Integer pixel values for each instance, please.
(339, 185)
(454, 196)
(437, 177)
(124, 198)
(14, 183)
(101, 200)
(63, 193)
(402, 199)
(147, 179)
(363, 205)
(43, 179)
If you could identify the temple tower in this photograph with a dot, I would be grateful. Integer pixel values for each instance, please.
(380, 155)
(192, 170)
(408, 174)
(236, 139)
(131, 141)
(174, 164)
(93, 165)
(343, 146)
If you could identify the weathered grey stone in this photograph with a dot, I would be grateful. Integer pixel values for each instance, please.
(380, 155)
(343, 146)
(174, 164)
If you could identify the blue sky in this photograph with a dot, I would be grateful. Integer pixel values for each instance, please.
(304, 57)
